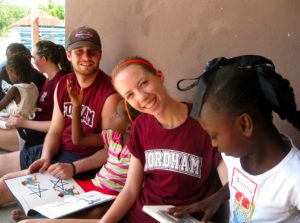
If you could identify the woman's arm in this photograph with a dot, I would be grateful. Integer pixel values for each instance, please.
(18, 121)
(128, 195)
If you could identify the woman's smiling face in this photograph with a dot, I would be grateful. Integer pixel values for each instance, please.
(143, 90)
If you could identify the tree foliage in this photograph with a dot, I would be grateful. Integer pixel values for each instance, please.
(54, 10)
(9, 14)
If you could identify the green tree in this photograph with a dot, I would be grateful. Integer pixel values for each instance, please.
(9, 14)
(55, 10)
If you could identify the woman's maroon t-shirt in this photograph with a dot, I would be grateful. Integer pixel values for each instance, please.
(179, 164)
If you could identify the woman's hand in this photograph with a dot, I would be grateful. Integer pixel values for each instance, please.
(74, 96)
(17, 121)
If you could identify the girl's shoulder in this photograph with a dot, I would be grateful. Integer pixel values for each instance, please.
(109, 135)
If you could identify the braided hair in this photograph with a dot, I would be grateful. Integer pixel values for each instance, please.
(19, 64)
(247, 82)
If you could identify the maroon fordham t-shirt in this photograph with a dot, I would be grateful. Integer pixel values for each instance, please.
(94, 97)
(179, 164)
(46, 98)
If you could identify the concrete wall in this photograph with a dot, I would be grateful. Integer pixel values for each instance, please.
(180, 36)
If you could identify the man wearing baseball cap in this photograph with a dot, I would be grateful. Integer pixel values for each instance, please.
(58, 154)
(99, 102)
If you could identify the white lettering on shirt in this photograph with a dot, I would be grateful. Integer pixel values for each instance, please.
(87, 114)
(164, 159)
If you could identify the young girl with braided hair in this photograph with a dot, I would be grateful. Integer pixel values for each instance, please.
(234, 103)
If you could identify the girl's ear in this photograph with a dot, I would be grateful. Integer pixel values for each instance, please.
(245, 122)
(160, 75)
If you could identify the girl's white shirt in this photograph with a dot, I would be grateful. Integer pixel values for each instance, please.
(273, 196)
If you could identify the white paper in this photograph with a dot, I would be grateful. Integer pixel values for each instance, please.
(159, 213)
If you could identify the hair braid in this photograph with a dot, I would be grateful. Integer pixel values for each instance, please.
(286, 98)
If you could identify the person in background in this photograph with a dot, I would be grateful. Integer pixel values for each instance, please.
(34, 75)
(50, 59)
(22, 96)
(58, 155)
(235, 107)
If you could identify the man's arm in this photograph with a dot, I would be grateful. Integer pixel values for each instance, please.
(94, 161)
(68, 170)
(52, 141)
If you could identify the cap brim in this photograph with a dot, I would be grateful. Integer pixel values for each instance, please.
(83, 44)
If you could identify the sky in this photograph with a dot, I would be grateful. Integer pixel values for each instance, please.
(28, 3)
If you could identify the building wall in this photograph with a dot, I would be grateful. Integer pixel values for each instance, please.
(180, 36)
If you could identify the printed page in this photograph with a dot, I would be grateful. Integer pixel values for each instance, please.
(72, 204)
(37, 189)
(159, 213)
